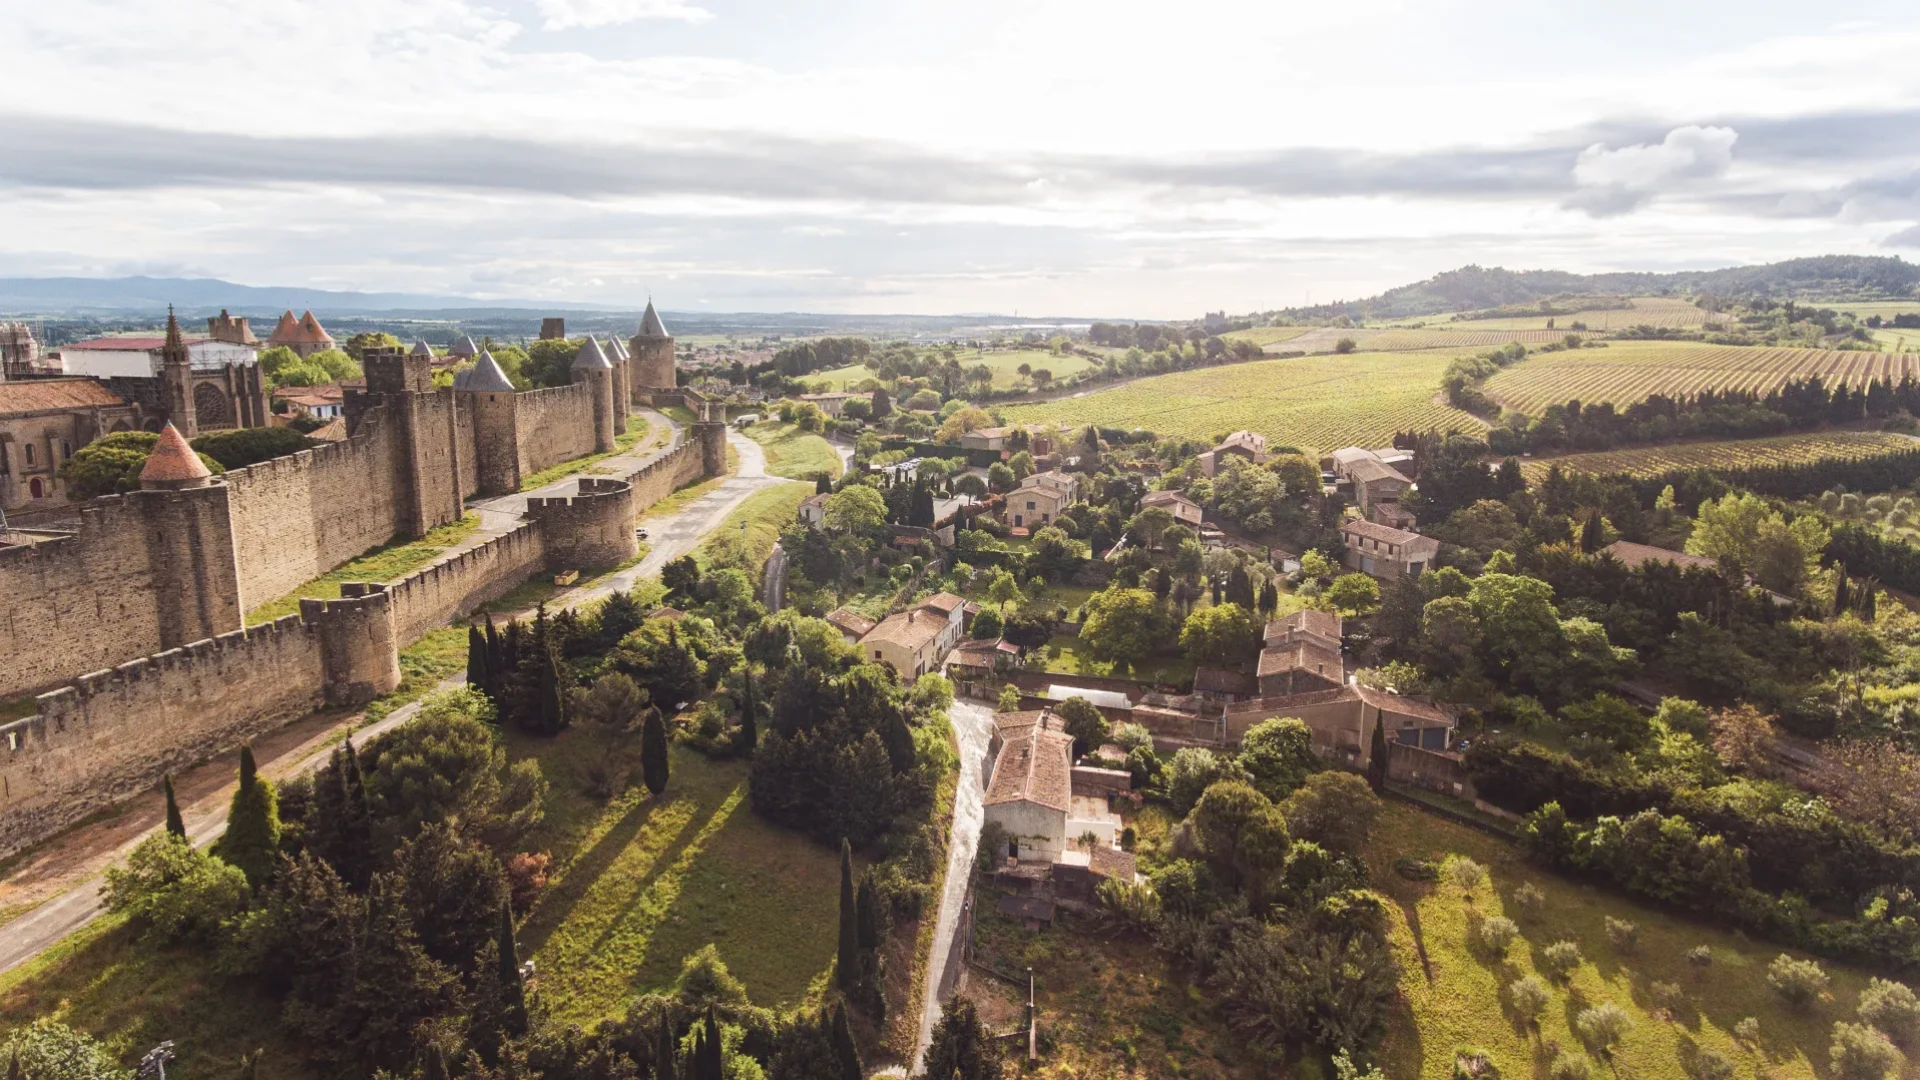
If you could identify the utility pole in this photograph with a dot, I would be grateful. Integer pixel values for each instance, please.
(155, 1063)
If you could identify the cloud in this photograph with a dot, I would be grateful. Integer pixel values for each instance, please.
(1617, 181)
(567, 14)
(1908, 237)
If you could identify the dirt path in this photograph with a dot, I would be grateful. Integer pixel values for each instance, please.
(60, 880)
(972, 726)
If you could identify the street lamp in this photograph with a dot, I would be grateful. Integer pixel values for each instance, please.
(155, 1063)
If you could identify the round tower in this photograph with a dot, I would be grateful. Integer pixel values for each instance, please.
(653, 368)
(592, 367)
(488, 396)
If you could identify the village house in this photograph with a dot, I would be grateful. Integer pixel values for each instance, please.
(913, 642)
(972, 663)
(852, 625)
(1223, 685)
(1044, 803)
(813, 510)
(42, 422)
(1039, 440)
(1040, 498)
(1248, 446)
(1301, 653)
(1184, 510)
(835, 404)
(1387, 553)
(314, 402)
(1342, 720)
(1376, 482)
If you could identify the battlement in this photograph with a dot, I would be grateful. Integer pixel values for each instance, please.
(391, 370)
(592, 530)
(360, 653)
(459, 584)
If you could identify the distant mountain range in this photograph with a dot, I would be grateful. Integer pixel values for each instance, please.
(204, 296)
(1475, 288)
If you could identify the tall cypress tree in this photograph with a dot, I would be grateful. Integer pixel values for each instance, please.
(653, 752)
(898, 741)
(435, 1065)
(713, 1062)
(252, 840)
(843, 1046)
(477, 676)
(498, 666)
(1842, 600)
(510, 984)
(356, 824)
(846, 969)
(867, 915)
(664, 1066)
(749, 735)
(1377, 757)
(175, 823)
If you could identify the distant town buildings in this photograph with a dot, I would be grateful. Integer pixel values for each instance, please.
(42, 422)
(303, 335)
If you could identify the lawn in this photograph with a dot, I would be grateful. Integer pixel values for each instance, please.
(1318, 402)
(1454, 995)
(642, 883)
(1069, 655)
(1733, 454)
(381, 564)
(623, 442)
(793, 453)
(759, 519)
(1628, 371)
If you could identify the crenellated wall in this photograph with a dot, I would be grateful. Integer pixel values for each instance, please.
(553, 425)
(458, 585)
(592, 530)
(115, 732)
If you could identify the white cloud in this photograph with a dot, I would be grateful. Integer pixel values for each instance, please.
(567, 14)
(1618, 180)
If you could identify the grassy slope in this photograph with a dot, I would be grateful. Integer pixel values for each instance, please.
(764, 514)
(1321, 402)
(1785, 449)
(643, 883)
(793, 453)
(381, 564)
(1455, 996)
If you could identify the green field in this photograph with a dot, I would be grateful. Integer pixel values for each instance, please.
(1266, 335)
(1629, 371)
(793, 453)
(1459, 336)
(1320, 402)
(1731, 454)
(1004, 362)
(380, 564)
(1453, 995)
(759, 520)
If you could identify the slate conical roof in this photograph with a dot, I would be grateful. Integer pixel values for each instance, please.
(650, 324)
(421, 348)
(484, 376)
(173, 464)
(590, 358)
(462, 346)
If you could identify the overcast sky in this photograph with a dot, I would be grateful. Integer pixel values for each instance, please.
(1099, 158)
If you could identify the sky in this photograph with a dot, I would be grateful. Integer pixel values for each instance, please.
(1105, 158)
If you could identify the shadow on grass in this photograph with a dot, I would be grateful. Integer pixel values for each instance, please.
(585, 871)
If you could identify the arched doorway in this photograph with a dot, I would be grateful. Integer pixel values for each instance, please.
(37, 488)
(211, 408)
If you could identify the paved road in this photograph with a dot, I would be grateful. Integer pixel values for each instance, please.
(972, 727)
(673, 535)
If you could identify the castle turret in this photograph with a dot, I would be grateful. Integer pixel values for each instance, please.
(357, 648)
(591, 366)
(176, 376)
(172, 465)
(187, 524)
(653, 369)
(622, 382)
(488, 394)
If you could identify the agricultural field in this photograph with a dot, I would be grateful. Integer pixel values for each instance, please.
(1899, 341)
(1322, 339)
(1739, 453)
(1315, 403)
(1861, 309)
(1004, 362)
(1267, 335)
(1629, 371)
(1664, 311)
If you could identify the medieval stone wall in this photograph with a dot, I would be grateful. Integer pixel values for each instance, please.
(454, 587)
(79, 603)
(554, 425)
(115, 732)
(592, 530)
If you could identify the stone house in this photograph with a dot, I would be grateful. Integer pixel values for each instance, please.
(1248, 446)
(42, 423)
(1046, 804)
(813, 510)
(852, 625)
(1374, 478)
(834, 404)
(1184, 510)
(913, 642)
(1298, 667)
(1387, 553)
(1342, 720)
(1040, 498)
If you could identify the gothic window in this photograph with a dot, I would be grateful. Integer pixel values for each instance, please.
(211, 409)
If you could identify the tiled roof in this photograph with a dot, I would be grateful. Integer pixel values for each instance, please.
(1322, 624)
(850, 621)
(1113, 863)
(1640, 554)
(909, 629)
(1278, 704)
(1166, 498)
(650, 324)
(1034, 766)
(172, 460)
(1305, 655)
(421, 348)
(1370, 470)
(304, 330)
(334, 430)
(286, 331)
(310, 327)
(462, 346)
(38, 395)
(1405, 706)
(590, 358)
(1052, 478)
(1372, 531)
(1219, 680)
(943, 602)
(310, 397)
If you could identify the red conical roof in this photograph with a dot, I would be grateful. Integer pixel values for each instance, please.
(286, 331)
(313, 334)
(173, 464)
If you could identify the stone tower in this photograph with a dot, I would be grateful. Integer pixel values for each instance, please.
(187, 524)
(592, 367)
(426, 479)
(653, 369)
(622, 382)
(487, 394)
(176, 375)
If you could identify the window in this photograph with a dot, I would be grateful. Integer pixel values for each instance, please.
(29, 449)
(66, 449)
(1029, 504)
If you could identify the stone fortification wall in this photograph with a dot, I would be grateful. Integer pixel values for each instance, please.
(113, 733)
(456, 586)
(299, 516)
(79, 603)
(593, 530)
(553, 425)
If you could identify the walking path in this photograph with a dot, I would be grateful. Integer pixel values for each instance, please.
(972, 727)
(69, 870)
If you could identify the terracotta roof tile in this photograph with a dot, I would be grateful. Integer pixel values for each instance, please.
(1373, 531)
(173, 461)
(1035, 766)
(36, 395)
(908, 629)
(1305, 655)
(850, 621)
(1405, 706)
(1219, 680)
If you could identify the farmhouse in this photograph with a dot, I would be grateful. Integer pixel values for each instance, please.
(852, 625)
(1043, 802)
(1387, 553)
(1184, 510)
(1040, 498)
(1248, 446)
(1342, 720)
(1374, 478)
(813, 510)
(914, 641)
(834, 404)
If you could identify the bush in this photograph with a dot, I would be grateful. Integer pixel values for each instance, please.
(247, 446)
(1602, 1026)
(1748, 1031)
(50, 1050)
(1701, 957)
(1415, 869)
(1530, 997)
(1892, 1008)
(176, 892)
(1560, 960)
(1624, 936)
(1570, 1065)
(1528, 900)
(1473, 1063)
(1668, 997)
(1798, 982)
(1497, 934)
(1712, 1065)
(1861, 1053)
(1465, 873)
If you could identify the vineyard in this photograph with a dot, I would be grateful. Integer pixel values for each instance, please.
(1664, 311)
(1742, 454)
(1267, 335)
(1627, 372)
(1320, 403)
(1322, 339)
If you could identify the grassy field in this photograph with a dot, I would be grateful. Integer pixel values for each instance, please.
(1463, 336)
(380, 564)
(1074, 659)
(1629, 371)
(1267, 335)
(1322, 402)
(793, 453)
(760, 519)
(1004, 362)
(1453, 995)
(1665, 311)
(642, 883)
(1783, 450)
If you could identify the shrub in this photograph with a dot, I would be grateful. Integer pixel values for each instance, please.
(1798, 982)
(1748, 1031)
(1701, 957)
(1602, 1026)
(1560, 959)
(1623, 935)
(48, 1048)
(1465, 873)
(1861, 1053)
(175, 891)
(1712, 1065)
(1570, 1065)
(1668, 997)
(1473, 1063)
(1530, 997)
(1415, 869)
(1892, 1008)
(1528, 900)
(1497, 933)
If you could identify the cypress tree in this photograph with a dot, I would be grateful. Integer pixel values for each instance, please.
(252, 840)
(653, 752)
(749, 735)
(510, 985)
(497, 666)
(867, 915)
(14, 1072)
(697, 1062)
(1377, 758)
(175, 823)
(846, 970)
(1867, 603)
(899, 742)
(553, 703)
(435, 1066)
(714, 1061)
(843, 1047)
(823, 484)
(356, 824)
(1842, 601)
(476, 658)
(663, 1050)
